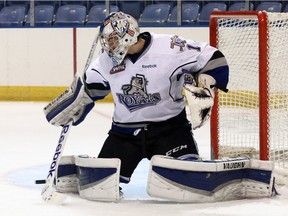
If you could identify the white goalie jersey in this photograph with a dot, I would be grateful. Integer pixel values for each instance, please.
(151, 88)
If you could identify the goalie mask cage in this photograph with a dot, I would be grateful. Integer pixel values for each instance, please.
(252, 118)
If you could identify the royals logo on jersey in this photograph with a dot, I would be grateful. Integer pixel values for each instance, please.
(135, 95)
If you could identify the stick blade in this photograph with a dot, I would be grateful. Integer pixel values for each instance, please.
(50, 195)
(40, 181)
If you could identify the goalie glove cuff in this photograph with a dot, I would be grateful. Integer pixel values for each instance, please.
(206, 81)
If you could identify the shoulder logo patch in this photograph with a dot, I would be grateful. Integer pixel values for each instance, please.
(176, 41)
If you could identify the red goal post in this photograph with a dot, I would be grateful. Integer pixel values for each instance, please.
(252, 118)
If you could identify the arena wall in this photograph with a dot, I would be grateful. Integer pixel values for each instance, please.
(37, 64)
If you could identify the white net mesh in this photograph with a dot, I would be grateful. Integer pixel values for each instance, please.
(239, 109)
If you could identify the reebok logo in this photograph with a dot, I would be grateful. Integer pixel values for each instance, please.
(58, 151)
(149, 66)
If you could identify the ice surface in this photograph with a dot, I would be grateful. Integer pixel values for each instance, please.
(27, 145)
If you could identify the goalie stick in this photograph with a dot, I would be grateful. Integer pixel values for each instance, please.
(49, 193)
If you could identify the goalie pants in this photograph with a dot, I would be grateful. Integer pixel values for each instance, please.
(173, 138)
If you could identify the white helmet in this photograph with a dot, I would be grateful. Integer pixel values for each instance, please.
(118, 33)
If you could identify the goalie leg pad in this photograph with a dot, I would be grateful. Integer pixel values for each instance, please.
(259, 181)
(98, 178)
(67, 181)
(208, 181)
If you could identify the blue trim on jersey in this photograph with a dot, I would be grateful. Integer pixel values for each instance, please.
(221, 75)
(125, 130)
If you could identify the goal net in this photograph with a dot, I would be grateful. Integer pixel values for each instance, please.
(252, 118)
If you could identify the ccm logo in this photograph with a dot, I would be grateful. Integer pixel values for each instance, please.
(178, 148)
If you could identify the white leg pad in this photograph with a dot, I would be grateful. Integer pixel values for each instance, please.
(209, 181)
(98, 178)
(255, 185)
(67, 181)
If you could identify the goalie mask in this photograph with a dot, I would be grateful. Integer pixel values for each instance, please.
(118, 33)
